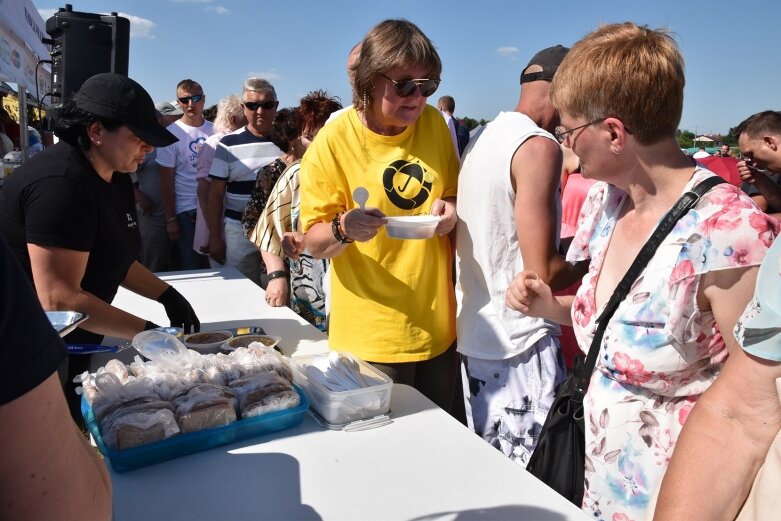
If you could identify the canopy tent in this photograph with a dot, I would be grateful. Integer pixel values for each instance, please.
(704, 139)
(21, 55)
(726, 167)
(21, 49)
(692, 150)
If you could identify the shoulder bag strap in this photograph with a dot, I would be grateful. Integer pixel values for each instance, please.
(681, 207)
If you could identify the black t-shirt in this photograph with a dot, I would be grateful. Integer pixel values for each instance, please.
(57, 199)
(30, 349)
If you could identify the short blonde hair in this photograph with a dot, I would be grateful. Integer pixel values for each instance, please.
(626, 71)
(389, 44)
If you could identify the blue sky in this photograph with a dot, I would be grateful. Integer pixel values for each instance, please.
(732, 68)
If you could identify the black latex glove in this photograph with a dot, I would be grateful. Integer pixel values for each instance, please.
(179, 311)
(150, 325)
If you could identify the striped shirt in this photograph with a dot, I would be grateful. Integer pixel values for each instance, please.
(239, 157)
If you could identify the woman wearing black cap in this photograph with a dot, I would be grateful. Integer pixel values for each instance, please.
(69, 216)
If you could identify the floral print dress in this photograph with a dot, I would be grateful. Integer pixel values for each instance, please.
(660, 351)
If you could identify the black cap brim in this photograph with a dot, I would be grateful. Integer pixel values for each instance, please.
(155, 135)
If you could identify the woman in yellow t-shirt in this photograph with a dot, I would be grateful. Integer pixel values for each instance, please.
(392, 300)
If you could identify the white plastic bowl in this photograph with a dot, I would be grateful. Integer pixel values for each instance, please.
(207, 342)
(412, 226)
(245, 340)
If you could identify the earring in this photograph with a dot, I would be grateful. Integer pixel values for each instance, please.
(365, 101)
(97, 142)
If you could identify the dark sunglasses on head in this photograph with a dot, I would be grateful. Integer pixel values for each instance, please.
(266, 105)
(195, 98)
(405, 88)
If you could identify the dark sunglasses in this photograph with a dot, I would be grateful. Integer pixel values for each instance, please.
(405, 88)
(195, 98)
(266, 105)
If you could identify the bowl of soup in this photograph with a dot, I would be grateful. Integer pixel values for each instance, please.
(207, 342)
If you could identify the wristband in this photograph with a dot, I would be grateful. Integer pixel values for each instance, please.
(277, 275)
(170, 220)
(336, 229)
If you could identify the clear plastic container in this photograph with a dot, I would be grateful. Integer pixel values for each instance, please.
(340, 409)
(11, 161)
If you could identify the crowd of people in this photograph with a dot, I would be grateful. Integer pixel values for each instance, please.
(540, 214)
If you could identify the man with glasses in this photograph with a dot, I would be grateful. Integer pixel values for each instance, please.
(238, 160)
(507, 207)
(177, 172)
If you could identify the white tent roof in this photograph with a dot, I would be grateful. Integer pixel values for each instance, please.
(705, 139)
(22, 27)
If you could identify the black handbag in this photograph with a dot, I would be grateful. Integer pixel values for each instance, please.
(559, 459)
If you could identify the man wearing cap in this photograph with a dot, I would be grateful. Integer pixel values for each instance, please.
(158, 253)
(70, 218)
(178, 186)
(511, 363)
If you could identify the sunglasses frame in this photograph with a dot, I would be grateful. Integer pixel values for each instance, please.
(185, 100)
(265, 105)
(401, 86)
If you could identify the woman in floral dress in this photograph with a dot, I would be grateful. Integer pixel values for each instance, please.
(748, 420)
(620, 96)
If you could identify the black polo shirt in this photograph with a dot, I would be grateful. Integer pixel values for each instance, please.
(57, 199)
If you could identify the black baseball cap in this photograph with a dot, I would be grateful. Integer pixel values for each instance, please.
(549, 59)
(117, 97)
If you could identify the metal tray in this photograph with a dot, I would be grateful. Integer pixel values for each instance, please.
(65, 321)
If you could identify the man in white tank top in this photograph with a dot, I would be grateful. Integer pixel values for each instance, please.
(508, 221)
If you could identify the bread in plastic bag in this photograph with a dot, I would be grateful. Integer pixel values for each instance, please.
(139, 426)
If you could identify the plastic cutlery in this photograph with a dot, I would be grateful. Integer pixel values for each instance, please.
(360, 196)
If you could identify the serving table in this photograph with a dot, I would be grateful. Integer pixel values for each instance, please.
(424, 465)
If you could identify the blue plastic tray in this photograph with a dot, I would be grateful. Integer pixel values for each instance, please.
(192, 442)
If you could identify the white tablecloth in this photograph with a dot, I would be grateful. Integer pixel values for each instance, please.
(423, 466)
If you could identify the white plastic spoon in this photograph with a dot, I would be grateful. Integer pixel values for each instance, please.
(360, 196)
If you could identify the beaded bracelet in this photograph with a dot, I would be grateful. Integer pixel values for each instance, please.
(336, 228)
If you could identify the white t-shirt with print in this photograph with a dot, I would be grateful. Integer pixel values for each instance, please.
(182, 156)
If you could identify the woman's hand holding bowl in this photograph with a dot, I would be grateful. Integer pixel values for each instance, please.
(446, 210)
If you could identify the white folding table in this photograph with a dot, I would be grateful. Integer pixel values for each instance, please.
(424, 465)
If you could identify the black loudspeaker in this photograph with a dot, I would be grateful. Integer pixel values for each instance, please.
(85, 44)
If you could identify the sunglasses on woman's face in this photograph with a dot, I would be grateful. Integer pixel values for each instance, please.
(185, 100)
(405, 88)
(265, 105)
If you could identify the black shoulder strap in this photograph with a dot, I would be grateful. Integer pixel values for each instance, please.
(681, 207)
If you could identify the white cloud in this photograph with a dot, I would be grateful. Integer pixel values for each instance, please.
(217, 9)
(140, 27)
(271, 75)
(508, 52)
(47, 13)
(191, 1)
